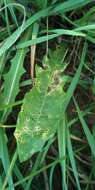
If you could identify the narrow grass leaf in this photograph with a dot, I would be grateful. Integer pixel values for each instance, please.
(57, 32)
(5, 157)
(12, 39)
(62, 149)
(72, 159)
(51, 176)
(12, 11)
(75, 79)
(70, 5)
(39, 160)
(9, 170)
(87, 132)
(19, 175)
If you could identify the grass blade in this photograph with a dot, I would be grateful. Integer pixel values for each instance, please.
(70, 5)
(9, 171)
(87, 132)
(72, 159)
(75, 79)
(62, 149)
(12, 39)
(49, 37)
(5, 157)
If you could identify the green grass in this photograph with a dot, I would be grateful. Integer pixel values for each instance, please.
(47, 135)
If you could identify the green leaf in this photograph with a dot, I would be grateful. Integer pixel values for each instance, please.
(87, 18)
(70, 5)
(11, 88)
(62, 149)
(5, 157)
(57, 32)
(41, 110)
(12, 39)
(16, 34)
(11, 84)
(75, 79)
(12, 11)
(2, 62)
(72, 159)
(87, 132)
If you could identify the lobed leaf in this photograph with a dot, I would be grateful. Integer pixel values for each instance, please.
(40, 113)
(11, 79)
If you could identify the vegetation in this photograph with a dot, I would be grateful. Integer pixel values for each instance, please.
(47, 93)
